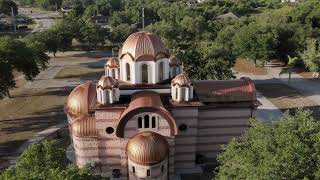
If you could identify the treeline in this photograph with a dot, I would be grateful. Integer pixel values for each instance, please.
(189, 29)
(207, 44)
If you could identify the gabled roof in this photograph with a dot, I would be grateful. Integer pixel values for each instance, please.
(241, 90)
(229, 15)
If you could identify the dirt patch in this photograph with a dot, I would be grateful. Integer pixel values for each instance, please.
(248, 67)
(286, 98)
(83, 73)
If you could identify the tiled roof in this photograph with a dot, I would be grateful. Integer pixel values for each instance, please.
(81, 99)
(147, 148)
(143, 46)
(225, 91)
(85, 126)
(107, 82)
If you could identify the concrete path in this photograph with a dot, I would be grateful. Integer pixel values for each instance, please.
(308, 88)
(267, 112)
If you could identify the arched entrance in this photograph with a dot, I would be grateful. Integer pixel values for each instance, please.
(144, 74)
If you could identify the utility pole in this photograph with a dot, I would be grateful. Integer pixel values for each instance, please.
(143, 18)
(13, 21)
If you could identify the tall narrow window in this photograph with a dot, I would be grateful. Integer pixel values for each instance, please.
(153, 122)
(144, 73)
(161, 71)
(162, 168)
(176, 93)
(174, 71)
(128, 72)
(148, 172)
(133, 169)
(140, 122)
(146, 121)
(113, 73)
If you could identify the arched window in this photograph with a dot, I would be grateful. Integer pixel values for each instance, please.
(128, 72)
(148, 172)
(153, 122)
(144, 73)
(113, 73)
(146, 121)
(133, 169)
(140, 122)
(161, 71)
(162, 168)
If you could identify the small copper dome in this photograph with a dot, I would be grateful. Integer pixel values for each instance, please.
(181, 80)
(147, 148)
(112, 62)
(84, 127)
(107, 82)
(174, 61)
(143, 46)
(81, 99)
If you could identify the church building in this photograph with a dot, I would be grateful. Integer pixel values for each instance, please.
(146, 119)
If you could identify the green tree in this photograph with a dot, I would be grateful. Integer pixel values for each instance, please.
(46, 160)
(256, 42)
(6, 5)
(207, 61)
(17, 55)
(286, 149)
(311, 57)
(292, 61)
(119, 33)
(91, 35)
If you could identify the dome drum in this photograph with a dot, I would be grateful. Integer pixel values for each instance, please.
(112, 68)
(144, 59)
(107, 90)
(181, 88)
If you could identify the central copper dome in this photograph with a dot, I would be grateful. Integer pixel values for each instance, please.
(143, 46)
(147, 148)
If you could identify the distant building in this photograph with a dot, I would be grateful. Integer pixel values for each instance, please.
(145, 119)
(229, 15)
(65, 10)
(291, 1)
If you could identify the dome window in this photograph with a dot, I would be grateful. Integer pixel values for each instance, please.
(128, 72)
(147, 122)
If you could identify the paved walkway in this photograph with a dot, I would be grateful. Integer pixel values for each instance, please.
(308, 88)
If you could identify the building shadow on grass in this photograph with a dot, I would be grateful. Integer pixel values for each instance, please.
(36, 122)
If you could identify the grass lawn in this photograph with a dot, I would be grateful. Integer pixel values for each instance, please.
(26, 114)
(246, 66)
(286, 98)
(83, 73)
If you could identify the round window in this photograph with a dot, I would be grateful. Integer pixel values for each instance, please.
(109, 130)
(183, 127)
